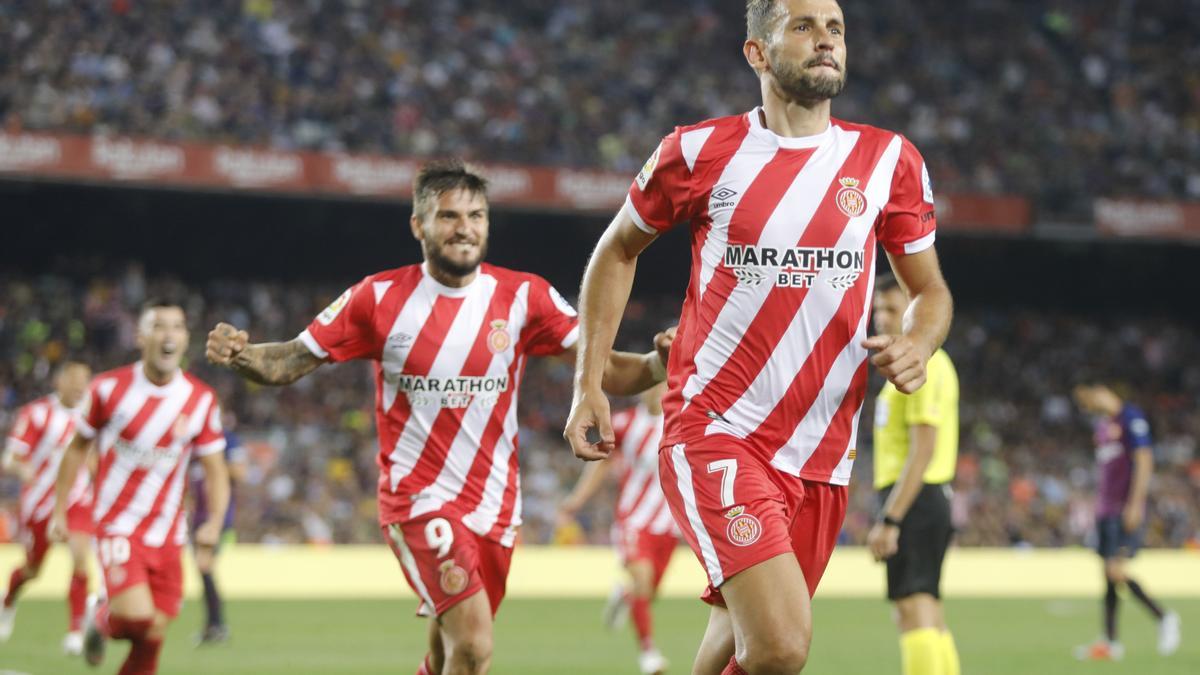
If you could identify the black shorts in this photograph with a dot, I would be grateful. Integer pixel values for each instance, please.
(1114, 541)
(925, 535)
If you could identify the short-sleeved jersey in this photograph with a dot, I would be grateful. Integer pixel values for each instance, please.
(146, 434)
(640, 502)
(1117, 438)
(449, 362)
(784, 233)
(39, 437)
(935, 404)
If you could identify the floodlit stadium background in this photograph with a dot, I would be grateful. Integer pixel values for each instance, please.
(257, 156)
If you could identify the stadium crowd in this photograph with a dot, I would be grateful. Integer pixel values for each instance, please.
(1025, 473)
(1059, 101)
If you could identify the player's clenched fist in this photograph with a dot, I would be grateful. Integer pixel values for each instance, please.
(224, 343)
(899, 359)
(590, 411)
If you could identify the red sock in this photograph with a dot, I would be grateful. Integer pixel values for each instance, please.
(15, 582)
(142, 659)
(101, 619)
(733, 668)
(77, 600)
(133, 630)
(639, 610)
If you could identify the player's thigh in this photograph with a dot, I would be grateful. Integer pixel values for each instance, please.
(818, 509)
(916, 568)
(166, 578)
(728, 505)
(468, 625)
(769, 607)
(36, 537)
(126, 578)
(133, 602)
(717, 646)
(443, 562)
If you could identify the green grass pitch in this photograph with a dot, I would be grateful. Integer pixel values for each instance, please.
(853, 636)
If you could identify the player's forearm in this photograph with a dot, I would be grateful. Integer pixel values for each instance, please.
(1143, 469)
(923, 440)
(627, 374)
(68, 470)
(602, 298)
(216, 488)
(275, 363)
(927, 319)
(589, 483)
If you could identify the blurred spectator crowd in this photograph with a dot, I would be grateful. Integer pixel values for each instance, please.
(1025, 474)
(1062, 101)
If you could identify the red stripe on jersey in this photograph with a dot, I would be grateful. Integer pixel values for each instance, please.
(648, 486)
(449, 420)
(404, 285)
(746, 226)
(769, 324)
(832, 449)
(185, 413)
(156, 507)
(124, 380)
(130, 431)
(509, 504)
(807, 384)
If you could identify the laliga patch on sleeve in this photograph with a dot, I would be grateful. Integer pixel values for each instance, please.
(648, 168)
(926, 184)
(561, 303)
(330, 313)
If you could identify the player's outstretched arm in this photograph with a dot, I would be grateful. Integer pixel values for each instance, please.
(272, 363)
(902, 358)
(590, 482)
(68, 470)
(602, 298)
(216, 485)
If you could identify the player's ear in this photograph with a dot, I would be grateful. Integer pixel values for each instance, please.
(756, 55)
(418, 231)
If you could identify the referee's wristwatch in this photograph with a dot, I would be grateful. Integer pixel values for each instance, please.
(888, 520)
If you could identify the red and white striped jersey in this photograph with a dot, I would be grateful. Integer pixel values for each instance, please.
(784, 233)
(42, 432)
(640, 504)
(449, 363)
(145, 435)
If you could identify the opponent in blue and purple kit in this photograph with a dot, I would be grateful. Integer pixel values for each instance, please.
(215, 629)
(1124, 465)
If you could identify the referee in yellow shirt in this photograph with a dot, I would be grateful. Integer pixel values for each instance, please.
(916, 448)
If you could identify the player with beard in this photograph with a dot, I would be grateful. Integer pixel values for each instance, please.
(450, 339)
(768, 371)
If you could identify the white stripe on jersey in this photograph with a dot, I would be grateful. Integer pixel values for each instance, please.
(467, 322)
(691, 143)
(745, 301)
(44, 456)
(483, 518)
(819, 307)
(118, 473)
(683, 471)
(156, 535)
(412, 316)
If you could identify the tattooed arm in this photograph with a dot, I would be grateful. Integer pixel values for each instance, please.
(273, 363)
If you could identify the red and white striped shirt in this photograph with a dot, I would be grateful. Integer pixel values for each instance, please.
(640, 503)
(145, 435)
(784, 233)
(42, 432)
(449, 363)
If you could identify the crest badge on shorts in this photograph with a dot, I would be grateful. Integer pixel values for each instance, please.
(851, 200)
(499, 340)
(743, 529)
(453, 578)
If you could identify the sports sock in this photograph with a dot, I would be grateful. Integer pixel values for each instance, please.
(733, 668)
(212, 600)
(639, 611)
(950, 654)
(922, 652)
(1155, 608)
(1110, 611)
(77, 600)
(142, 658)
(15, 582)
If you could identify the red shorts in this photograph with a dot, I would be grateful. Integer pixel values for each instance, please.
(736, 510)
(36, 534)
(127, 563)
(446, 563)
(634, 545)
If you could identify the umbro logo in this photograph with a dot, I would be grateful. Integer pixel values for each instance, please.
(723, 194)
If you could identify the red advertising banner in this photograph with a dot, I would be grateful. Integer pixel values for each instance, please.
(1140, 218)
(213, 166)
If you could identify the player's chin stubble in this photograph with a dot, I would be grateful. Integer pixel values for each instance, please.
(453, 267)
(797, 84)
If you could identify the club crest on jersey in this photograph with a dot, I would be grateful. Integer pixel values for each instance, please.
(743, 529)
(498, 339)
(452, 578)
(330, 313)
(851, 200)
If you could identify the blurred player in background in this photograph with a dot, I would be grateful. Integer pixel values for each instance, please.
(146, 421)
(215, 630)
(34, 450)
(768, 373)
(1124, 467)
(644, 533)
(450, 339)
(916, 448)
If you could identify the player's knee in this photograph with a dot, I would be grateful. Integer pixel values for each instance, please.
(784, 656)
(472, 654)
(158, 627)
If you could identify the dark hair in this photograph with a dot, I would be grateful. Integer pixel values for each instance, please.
(155, 302)
(441, 176)
(760, 18)
(886, 282)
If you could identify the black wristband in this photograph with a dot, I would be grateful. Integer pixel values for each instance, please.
(888, 520)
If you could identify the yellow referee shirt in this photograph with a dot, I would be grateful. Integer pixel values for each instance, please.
(935, 404)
